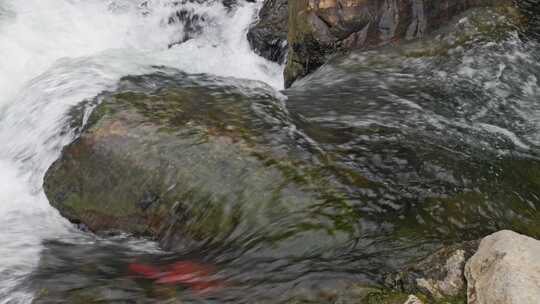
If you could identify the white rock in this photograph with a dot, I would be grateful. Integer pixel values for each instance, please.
(505, 270)
(413, 300)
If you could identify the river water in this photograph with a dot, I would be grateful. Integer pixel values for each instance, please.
(453, 141)
(54, 54)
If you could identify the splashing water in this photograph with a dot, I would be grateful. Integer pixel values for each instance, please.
(57, 53)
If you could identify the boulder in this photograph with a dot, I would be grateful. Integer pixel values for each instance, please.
(321, 28)
(150, 162)
(505, 270)
(268, 37)
(185, 162)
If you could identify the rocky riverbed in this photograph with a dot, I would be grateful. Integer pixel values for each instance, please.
(403, 142)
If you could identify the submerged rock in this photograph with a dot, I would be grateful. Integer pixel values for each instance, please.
(531, 11)
(184, 161)
(150, 162)
(505, 270)
(268, 37)
(318, 29)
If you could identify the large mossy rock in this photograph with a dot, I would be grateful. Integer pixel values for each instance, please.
(186, 162)
(319, 29)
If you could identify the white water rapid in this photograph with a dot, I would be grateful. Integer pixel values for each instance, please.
(56, 53)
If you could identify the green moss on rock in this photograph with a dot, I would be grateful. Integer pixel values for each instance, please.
(187, 163)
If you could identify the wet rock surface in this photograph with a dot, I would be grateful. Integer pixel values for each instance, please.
(151, 162)
(506, 269)
(439, 276)
(190, 22)
(268, 37)
(319, 29)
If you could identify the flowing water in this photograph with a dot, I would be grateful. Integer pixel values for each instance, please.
(54, 54)
(449, 143)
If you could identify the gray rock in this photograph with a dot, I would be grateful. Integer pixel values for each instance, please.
(163, 163)
(440, 275)
(452, 283)
(531, 10)
(505, 270)
(268, 37)
(319, 29)
(185, 163)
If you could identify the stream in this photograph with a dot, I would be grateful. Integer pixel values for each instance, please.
(450, 145)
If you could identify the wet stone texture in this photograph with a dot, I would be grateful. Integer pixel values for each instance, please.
(188, 20)
(268, 36)
(319, 29)
(149, 163)
(187, 164)
(440, 275)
